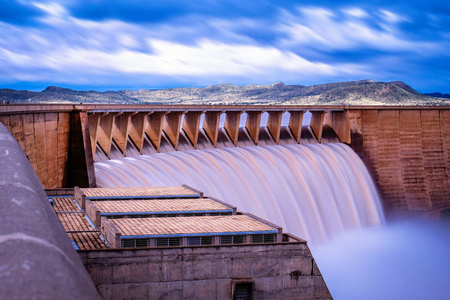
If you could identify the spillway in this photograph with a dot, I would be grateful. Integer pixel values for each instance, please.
(314, 191)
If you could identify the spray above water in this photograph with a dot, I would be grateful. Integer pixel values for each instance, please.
(315, 191)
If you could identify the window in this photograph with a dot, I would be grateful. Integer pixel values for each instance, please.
(270, 238)
(220, 214)
(128, 243)
(243, 290)
(135, 243)
(200, 240)
(142, 243)
(166, 242)
(166, 215)
(207, 240)
(194, 215)
(232, 239)
(263, 238)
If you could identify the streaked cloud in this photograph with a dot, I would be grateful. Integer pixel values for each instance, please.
(208, 42)
(392, 17)
(356, 12)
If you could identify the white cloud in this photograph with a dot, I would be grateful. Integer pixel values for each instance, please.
(391, 17)
(77, 51)
(51, 8)
(317, 12)
(168, 58)
(10, 58)
(356, 12)
(322, 30)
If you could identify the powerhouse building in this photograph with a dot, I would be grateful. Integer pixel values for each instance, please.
(175, 243)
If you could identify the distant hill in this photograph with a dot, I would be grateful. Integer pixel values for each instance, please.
(438, 95)
(364, 92)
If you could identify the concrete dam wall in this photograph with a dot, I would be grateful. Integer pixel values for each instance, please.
(406, 149)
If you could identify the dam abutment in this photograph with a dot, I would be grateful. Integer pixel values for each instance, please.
(407, 152)
(37, 259)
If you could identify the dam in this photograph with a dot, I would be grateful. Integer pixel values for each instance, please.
(405, 149)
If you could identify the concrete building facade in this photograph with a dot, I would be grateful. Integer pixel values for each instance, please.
(274, 271)
(174, 243)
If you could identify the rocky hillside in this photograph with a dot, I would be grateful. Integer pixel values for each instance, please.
(365, 92)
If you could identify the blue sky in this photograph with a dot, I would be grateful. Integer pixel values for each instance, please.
(115, 44)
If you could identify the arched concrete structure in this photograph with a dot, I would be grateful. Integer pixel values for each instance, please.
(37, 260)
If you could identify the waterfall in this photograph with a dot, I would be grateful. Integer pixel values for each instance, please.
(314, 191)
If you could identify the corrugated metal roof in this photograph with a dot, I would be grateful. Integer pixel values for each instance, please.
(64, 204)
(190, 225)
(87, 240)
(160, 205)
(74, 222)
(139, 192)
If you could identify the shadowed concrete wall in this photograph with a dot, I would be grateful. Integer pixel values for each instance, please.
(37, 260)
(407, 152)
(56, 143)
(278, 271)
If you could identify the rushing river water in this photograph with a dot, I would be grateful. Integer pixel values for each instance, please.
(322, 193)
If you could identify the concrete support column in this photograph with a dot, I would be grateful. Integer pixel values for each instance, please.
(37, 259)
(211, 125)
(153, 127)
(104, 132)
(274, 124)
(253, 124)
(137, 129)
(232, 125)
(295, 124)
(339, 122)
(191, 126)
(80, 159)
(121, 129)
(172, 126)
(317, 124)
(93, 127)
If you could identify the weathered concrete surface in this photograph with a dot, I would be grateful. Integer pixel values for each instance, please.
(37, 260)
(407, 152)
(278, 271)
(56, 143)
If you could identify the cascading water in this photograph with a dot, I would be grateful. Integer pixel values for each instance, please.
(322, 193)
(315, 191)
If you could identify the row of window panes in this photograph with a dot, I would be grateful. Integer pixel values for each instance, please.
(164, 215)
(232, 239)
(263, 238)
(198, 240)
(135, 243)
(167, 242)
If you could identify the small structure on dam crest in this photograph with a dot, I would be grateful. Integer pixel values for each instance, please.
(174, 242)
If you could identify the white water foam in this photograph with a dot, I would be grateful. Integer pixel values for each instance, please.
(315, 191)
